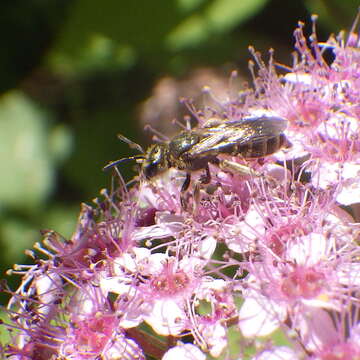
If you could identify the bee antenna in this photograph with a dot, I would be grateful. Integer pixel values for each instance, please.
(132, 144)
(116, 162)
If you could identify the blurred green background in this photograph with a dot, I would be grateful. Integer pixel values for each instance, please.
(73, 74)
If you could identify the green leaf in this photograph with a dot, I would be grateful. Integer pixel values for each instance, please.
(124, 33)
(26, 171)
(223, 15)
(60, 143)
(115, 32)
(218, 17)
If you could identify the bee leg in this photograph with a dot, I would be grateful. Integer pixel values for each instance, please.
(186, 183)
(184, 187)
(183, 202)
(196, 198)
(205, 178)
(238, 168)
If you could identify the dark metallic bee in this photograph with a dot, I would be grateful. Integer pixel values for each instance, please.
(191, 150)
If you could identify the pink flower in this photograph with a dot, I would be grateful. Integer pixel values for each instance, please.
(268, 244)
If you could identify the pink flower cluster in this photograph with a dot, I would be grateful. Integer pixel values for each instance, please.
(246, 259)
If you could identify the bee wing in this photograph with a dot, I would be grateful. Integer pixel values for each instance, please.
(267, 125)
(223, 137)
(213, 141)
(264, 125)
(209, 144)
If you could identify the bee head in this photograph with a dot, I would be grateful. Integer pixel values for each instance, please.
(155, 161)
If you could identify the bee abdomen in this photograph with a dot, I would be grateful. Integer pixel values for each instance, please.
(261, 148)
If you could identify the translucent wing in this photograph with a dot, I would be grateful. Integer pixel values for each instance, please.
(224, 136)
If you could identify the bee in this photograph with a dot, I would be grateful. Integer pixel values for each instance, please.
(192, 150)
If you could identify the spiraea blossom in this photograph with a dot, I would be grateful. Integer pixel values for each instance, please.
(228, 267)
